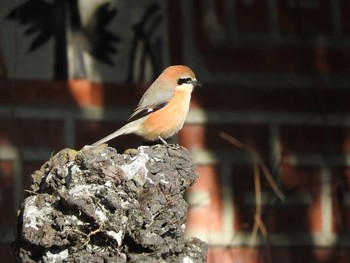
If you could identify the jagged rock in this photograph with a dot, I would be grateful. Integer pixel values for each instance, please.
(96, 205)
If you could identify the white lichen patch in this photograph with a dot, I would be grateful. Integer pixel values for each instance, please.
(158, 160)
(86, 191)
(116, 236)
(82, 190)
(33, 216)
(162, 181)
(108, 184)
(57, 257)
(49, 177)
(137, 166)
(73, 218)
(150, 180)
(101, 215)
(125, 219)
(74, 169)
(187, 259)
(162, 178)
(124, 204)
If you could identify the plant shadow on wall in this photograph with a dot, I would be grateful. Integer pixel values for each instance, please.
(62, 21)
(53, 20)
(142, 47)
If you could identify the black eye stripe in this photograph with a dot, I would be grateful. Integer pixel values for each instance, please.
(183, 81)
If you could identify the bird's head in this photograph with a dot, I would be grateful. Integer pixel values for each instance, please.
(181, 76)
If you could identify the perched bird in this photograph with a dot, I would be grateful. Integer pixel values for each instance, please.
(163, 108)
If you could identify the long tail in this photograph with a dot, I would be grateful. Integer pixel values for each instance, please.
(130, 127)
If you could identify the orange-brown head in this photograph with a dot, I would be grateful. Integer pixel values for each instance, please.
(173, 78)
(173, 73)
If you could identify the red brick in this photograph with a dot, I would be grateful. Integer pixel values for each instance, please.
(262, 59)
(204, 218)
(303, 20)
(341, 217)
(243, 183)
(118, 94)
(306, 59)
(337, 60)
(74, 92)
(193, 137)
(208, 218)
(284, 254)
(315, 139)
(207, 137)
(240, 98)
(208, 180)
(6, 253)
(229, 255)
(303, 180)
(277, 59)
(221, 14)
(276, 216)
(341, 208)
(175, 32)
(32, 133)
(254, 18)
(7, 194)
(36, 92)
(310, 255)
(344, 8)
(249, 18)
(32, 91)
(81, 91)
(291, 219)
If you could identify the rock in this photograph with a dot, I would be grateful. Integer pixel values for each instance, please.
(95, 205)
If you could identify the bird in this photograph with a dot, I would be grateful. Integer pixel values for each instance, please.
(163, 108)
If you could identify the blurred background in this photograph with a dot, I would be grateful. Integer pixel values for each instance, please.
(269, 130)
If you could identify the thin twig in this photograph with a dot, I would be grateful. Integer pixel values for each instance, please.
(261, 163)
(258, 202)
(258, 164)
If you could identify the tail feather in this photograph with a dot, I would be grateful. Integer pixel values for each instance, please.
(128, 128)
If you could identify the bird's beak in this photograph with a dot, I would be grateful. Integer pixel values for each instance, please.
(196, 84)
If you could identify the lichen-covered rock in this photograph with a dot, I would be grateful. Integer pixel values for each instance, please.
(96, 205)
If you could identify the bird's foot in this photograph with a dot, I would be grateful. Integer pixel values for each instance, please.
(162, 140)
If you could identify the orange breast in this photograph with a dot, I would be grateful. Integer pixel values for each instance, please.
(168, 120)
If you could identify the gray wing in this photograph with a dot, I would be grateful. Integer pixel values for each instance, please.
(156, 97)
(142, 112)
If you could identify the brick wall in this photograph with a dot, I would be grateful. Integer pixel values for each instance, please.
(277, 80)
(275, 77)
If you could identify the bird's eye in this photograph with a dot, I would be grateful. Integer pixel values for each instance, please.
(184, 80)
